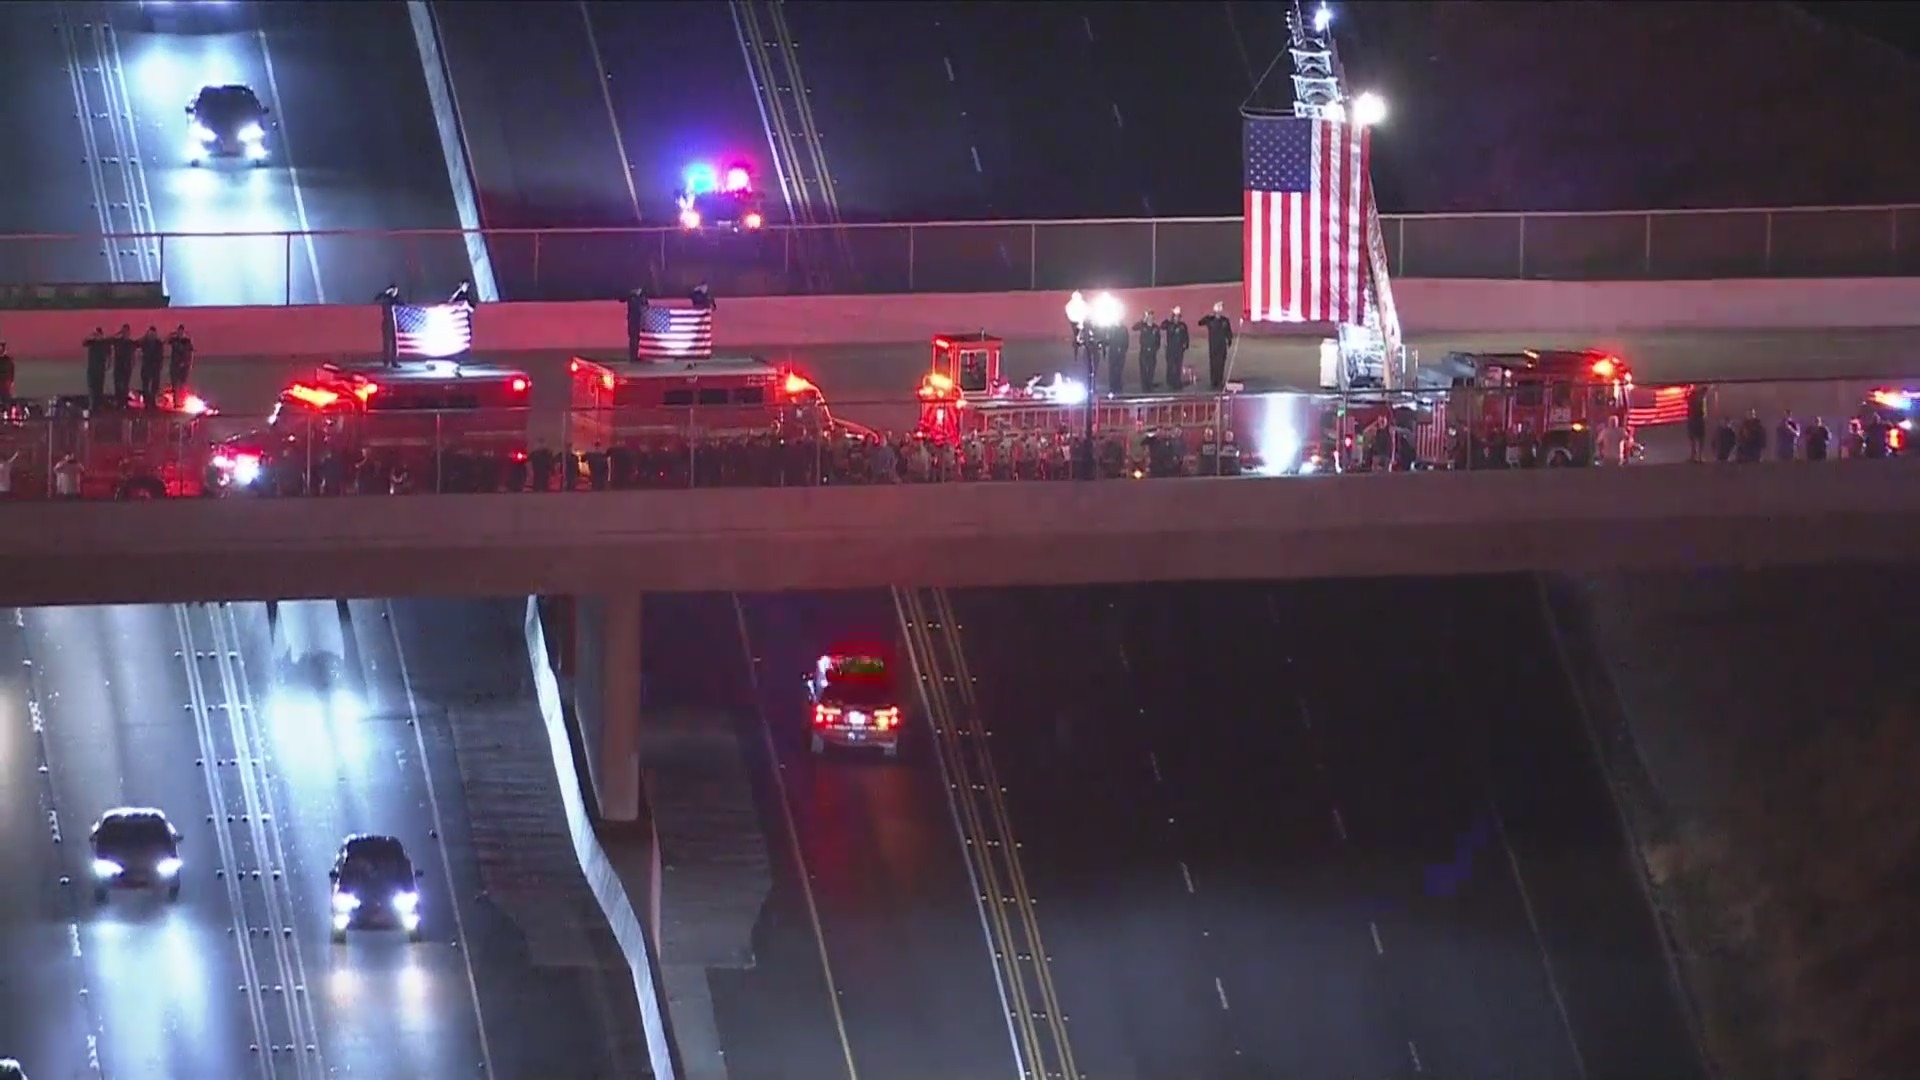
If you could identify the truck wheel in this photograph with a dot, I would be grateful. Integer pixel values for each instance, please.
(142, 487)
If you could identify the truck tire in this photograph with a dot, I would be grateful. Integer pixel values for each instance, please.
(142, 487)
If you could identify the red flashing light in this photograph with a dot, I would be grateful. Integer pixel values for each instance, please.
(936, 387)
(606, 381)
(753, 220)
(739, 179)
(366, 390)
(942, 343)
(519, 456)
(519, 385)
(313, 396)
(1606, 367)
(825, 715)
(573, 367)
(797, 384)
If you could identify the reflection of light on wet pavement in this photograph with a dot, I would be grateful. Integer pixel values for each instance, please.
(149, 976)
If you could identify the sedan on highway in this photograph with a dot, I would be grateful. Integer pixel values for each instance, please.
(228, 122)
(374, 886)
(134, 847)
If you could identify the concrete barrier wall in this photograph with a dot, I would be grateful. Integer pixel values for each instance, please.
(601, 876)
(959, 535)
(772, 323)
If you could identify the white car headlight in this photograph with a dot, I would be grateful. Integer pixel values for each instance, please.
(106, 868)
(406, 902)
(345, 902)
(168, 867)
(252, 133)
(201, 132)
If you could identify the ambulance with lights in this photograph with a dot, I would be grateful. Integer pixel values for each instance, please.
(617, 403)
(963, 394)
(125, 450)
(396, 416)
(853, 701)
(715, 200)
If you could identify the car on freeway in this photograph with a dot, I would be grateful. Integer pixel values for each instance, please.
(853, 701)
(374, 887)
(134, 847)
(190, 17)
(227, 122)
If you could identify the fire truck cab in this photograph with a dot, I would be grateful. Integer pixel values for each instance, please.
(1553, 399)
(121, 449)
(403, 419)
(618, 403)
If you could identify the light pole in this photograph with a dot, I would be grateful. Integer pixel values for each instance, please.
(1093, 321)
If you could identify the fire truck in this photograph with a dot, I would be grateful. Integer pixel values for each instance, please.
(1555, 399)
(963, 395)
(617, 403)
(406, 418)
(122, 448)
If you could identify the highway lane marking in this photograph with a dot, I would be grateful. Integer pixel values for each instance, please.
(1153, 760)
(1220, 988)
(1339, 824)
(793, 839)
(1414, 1053)
(53, 824)
(198, 706)
(1539, 940)
(293, 177)
(1186, 876)
(1374, 928)
(439, 828)
(73, 939)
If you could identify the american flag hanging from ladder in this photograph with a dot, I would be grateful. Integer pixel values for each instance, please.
(674, 333)
(1305, 234)
(432, 331)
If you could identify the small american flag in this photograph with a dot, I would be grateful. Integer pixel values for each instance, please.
(675, 333)
(1305, 234)
(432, 331)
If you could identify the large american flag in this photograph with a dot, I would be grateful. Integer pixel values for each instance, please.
(675, 333)
(1305, 231)
(432, 331)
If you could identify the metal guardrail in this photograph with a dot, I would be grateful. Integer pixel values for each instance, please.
(997, 256)
(121, 454)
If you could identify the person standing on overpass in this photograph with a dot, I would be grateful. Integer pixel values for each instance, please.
(152, 355)
(1149, 331)
(636, 322)
(1178, 338)
(7, 372)
(179, 360)
(1219, 342)
(123, 361)
(99, 347)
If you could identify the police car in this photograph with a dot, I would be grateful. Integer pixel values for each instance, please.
(374, 886)
(710, 202)
(853, 701)
(134, 847)
(227, 122)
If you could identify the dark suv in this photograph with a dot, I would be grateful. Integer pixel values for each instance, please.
(374, 886)
(134, 848)
(228, 122)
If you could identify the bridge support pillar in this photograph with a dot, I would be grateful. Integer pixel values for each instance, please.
(607, 698)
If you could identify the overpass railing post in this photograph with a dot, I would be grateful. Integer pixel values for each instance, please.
(1520, 269)
(286, 265)
(1033, 256)
(1153, 252)
(439, 453)
(910, 253)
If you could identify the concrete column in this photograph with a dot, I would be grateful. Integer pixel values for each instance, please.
(607, 698)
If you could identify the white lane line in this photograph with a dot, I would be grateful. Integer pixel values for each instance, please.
(1153, 761)
(1339, 824)
(1186, 876)
(1378, 948)
(1220, 989)
(1414, 1053)
(293, 181)
(53, 825)
(440, 828)
(73, 939)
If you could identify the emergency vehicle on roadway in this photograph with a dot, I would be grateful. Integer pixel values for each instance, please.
(854, 701)
(963, 395)
(617, 403)
(1558, 399)
(1897, 409)
(120, 450)
(403, 419)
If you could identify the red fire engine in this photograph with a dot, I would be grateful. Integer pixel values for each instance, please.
(1557, 399)
(964, 395)
(119, 450)
(393, 418)
(619, 403)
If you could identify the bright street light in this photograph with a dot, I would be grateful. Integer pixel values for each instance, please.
(1108, 311)
(1322, 18)
(1077, 309)
(1369, 109)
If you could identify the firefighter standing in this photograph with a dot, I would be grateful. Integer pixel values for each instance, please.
(123, 361)
(7, 372)
(1178, 338)
(179, 359)
(389, 299)
(1149, 331)
(1818, 439)
(702, 298)
(1219, 342)
(99, 349)
(1118, 339)
(152, 356)
(1786, 436)
(636, 321)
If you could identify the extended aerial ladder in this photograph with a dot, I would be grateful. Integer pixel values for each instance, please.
(1369, 354)
(799, 155)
